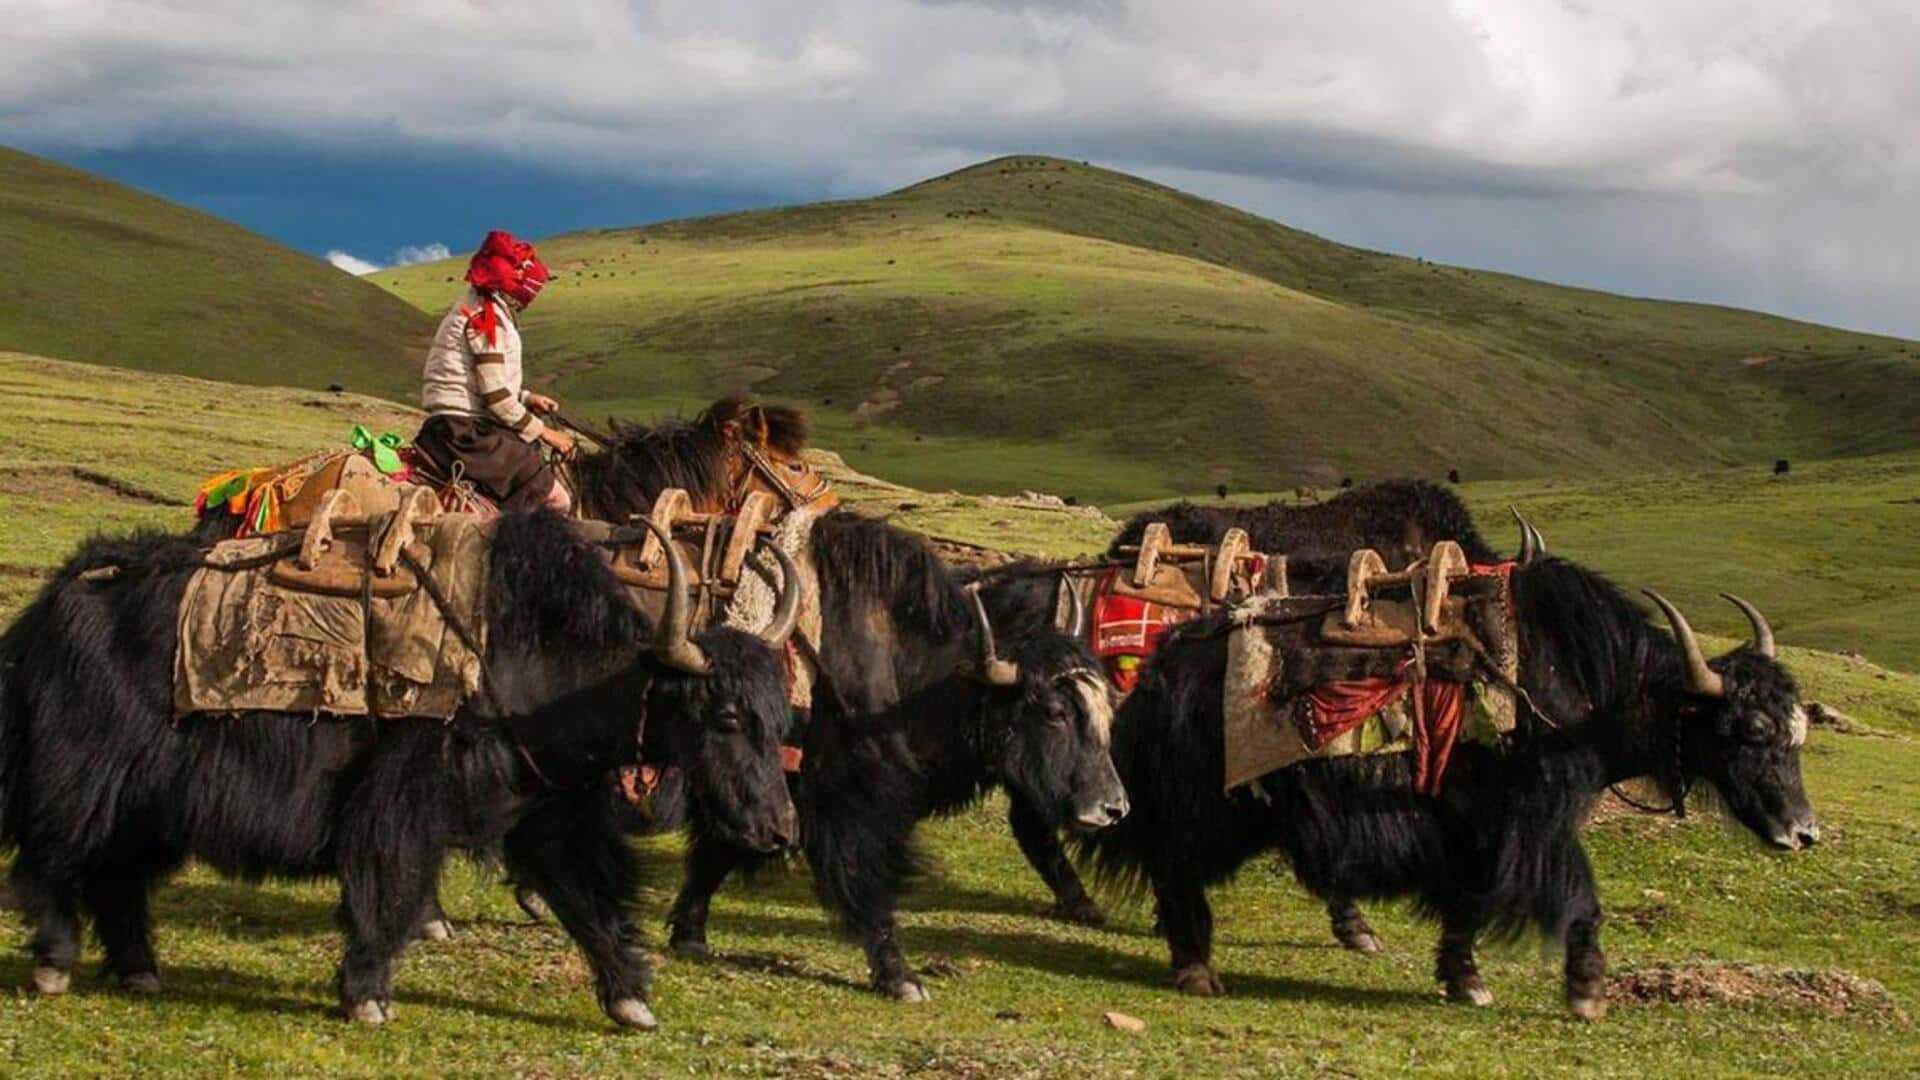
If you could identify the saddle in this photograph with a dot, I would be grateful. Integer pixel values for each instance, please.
(1402, 660)
(733, 582)
(354, 618)
(1134, 606)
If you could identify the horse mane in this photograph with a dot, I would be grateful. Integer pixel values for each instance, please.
(643, 460)
(787, 429)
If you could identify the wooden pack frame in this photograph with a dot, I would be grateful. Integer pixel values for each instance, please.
(718, 544)
(1431, 612)
(342, 555)
(1196, 577)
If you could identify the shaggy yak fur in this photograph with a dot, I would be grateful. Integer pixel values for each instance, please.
(1401, 519)
(1499, 849)
(902, 727)
(103, 792)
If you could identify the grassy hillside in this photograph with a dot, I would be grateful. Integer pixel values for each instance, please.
(94, 448)
(248, 969)
(112, 275)
(1031, 322)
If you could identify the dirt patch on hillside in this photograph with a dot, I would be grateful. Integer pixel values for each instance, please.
(73, 484)
(1834, 994)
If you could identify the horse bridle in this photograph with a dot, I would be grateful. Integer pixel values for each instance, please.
(794, 497)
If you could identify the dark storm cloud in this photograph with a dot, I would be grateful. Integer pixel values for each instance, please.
(1773, 138)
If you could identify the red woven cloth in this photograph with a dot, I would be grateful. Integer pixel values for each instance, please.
(1337, 708)
(1127, 630)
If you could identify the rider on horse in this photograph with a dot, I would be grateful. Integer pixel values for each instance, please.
(482, 427)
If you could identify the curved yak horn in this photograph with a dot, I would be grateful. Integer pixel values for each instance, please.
(673, 642)
(995, 671)
(1701, 679)
(786, 608)
(1532, 544)
(1762, 633)
(1076, 611)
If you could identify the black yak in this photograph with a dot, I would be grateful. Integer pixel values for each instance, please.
(1499, 848)
(1402, 519)
(103, 791)
(915, 714)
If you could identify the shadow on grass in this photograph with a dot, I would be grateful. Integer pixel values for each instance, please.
(1039, 952)
(206, 987)
(242, 912)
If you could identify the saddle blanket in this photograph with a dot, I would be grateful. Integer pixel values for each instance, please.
(1292, 695)
(248, 641)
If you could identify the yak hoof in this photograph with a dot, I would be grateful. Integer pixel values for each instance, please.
(1588, 1008)
(908, 991)
(632, 1013)
(533, 904)
(1200, 981)
(50, 981)
(143, 983)
(690, 949)
(436, 930)
(1469, 990)
(1081, 910)
(1363, 941)
(370, 1012)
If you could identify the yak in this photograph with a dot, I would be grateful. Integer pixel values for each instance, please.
(103, 791)
(916, 713)
(1608, 697)
(1402, 519)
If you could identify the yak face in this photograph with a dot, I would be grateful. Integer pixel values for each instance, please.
(1746, 743)
(729, 744)
(1055, 728)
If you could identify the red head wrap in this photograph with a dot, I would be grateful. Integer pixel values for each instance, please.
(509, 267)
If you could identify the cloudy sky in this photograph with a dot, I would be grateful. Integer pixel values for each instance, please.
(1762, 153)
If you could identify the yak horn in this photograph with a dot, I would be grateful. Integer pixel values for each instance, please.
(673, 641)
(1762, 633)
(995, 671)
(786, 608)
(1532, 544)
(1701, 679)
(1076, 611)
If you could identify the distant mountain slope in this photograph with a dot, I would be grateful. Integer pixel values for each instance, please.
(1031, 322)
(113, 275)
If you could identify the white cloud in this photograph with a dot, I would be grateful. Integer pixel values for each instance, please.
(406, 256)
(1776, 135)
(411, 254)
(352, 264)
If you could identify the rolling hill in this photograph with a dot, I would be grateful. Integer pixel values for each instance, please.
(113, 275)
(1032, 322)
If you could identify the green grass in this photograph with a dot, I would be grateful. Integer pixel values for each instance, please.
(1035, 323)
(113, 275)
(248, 969)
